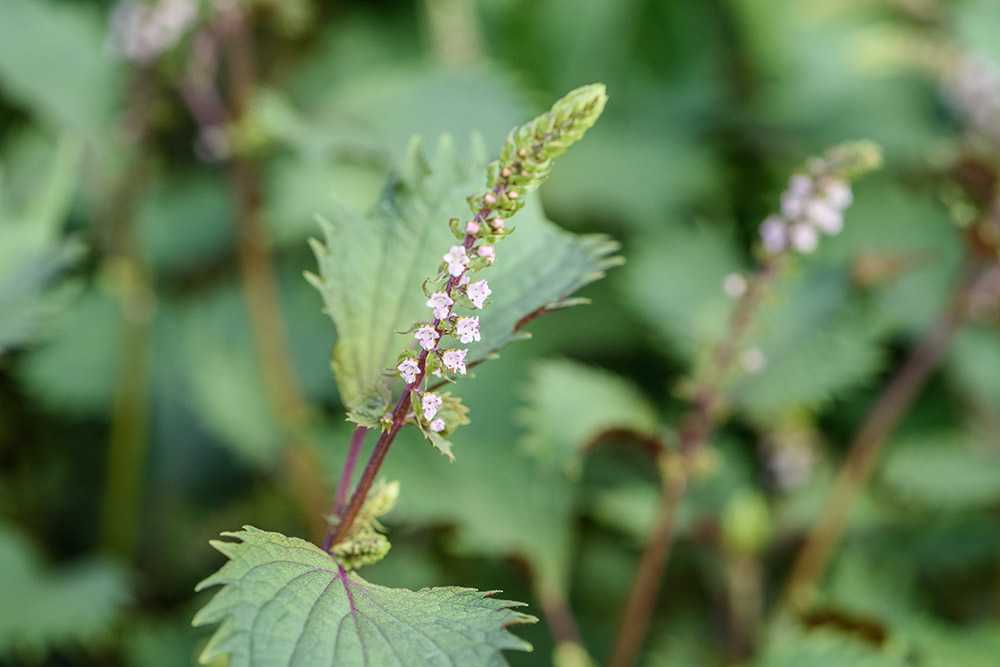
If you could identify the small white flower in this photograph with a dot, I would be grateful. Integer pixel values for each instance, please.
(437, 425)
(792, 205)
(440, 303)
(427, 337)
(467, 329)
(472, 227)
(430, 404)
(454, 360)
(753, 360)
(457, 260)
(800, 185)
(838, 194)
(478, 292)
(824, 216)
(803, 237)
(488, 253)
(773, 234)
(409, 370)
(734, 285)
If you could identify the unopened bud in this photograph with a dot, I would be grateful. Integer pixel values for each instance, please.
(490, 199)
(472, 227)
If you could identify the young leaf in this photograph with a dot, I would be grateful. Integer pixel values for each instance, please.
(39, 609)
(371, 267)
(284, 601)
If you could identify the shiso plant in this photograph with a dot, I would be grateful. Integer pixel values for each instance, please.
(388, 277)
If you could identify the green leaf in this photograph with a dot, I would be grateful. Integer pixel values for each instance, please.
(32, 252)
(569, 404)
(942, 472)
(823, 649)
(54, 59)
(284, 601)
(43, 608)
(371, 267)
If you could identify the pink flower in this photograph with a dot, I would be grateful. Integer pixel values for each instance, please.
(437, 425)
(497, 224)
(478, 292)
(440, 303)
(454, 360)
(427, 337)
(430, 404)
(488, 253)
(472, 227)
(773, 234)
(467, 329)
(409, 370)
(824, 216)
(803, 237)
(457, 260)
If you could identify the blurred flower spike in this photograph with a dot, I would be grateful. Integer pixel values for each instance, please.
(816, 198)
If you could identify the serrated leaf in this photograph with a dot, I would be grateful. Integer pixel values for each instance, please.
(568, 404)
(284, 601)
(371, 267)
(43, 608)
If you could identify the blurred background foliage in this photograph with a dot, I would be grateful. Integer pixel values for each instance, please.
(164, 367)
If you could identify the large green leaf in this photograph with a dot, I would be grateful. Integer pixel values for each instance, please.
(54, 60)
(41, 608)
(285, 601)
(942, 472)
(569, 404)
(371, 267)
(32, 252)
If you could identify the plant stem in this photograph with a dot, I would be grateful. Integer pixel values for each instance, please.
(641, 601)
(881, 420)
(259, 284)
(129, 438)
(357, 441)
(695, 431)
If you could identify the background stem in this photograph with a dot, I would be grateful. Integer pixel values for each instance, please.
(881, 420)
(128, 442)
(260, 290)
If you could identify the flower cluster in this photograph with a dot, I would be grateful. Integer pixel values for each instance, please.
(524, 163)
(973, 87)
(814, 202)
(141, 31)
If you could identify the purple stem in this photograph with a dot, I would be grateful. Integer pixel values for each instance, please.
(340, 500)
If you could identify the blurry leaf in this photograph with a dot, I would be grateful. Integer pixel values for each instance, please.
(285, 601)
(225, 381)
(823, 649)
(683, 642)
(75, 371)
(815, 341)
(568, 404)
(372, 266)
(941, 472)
(975, 364)
(674, 279)
(32, 253)
(42, 609)
(185, 223)
(53, 59)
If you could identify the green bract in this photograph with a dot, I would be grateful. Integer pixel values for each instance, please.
(285, 602)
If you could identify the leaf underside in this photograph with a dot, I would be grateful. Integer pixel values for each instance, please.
(371, 267)
(285, 602)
